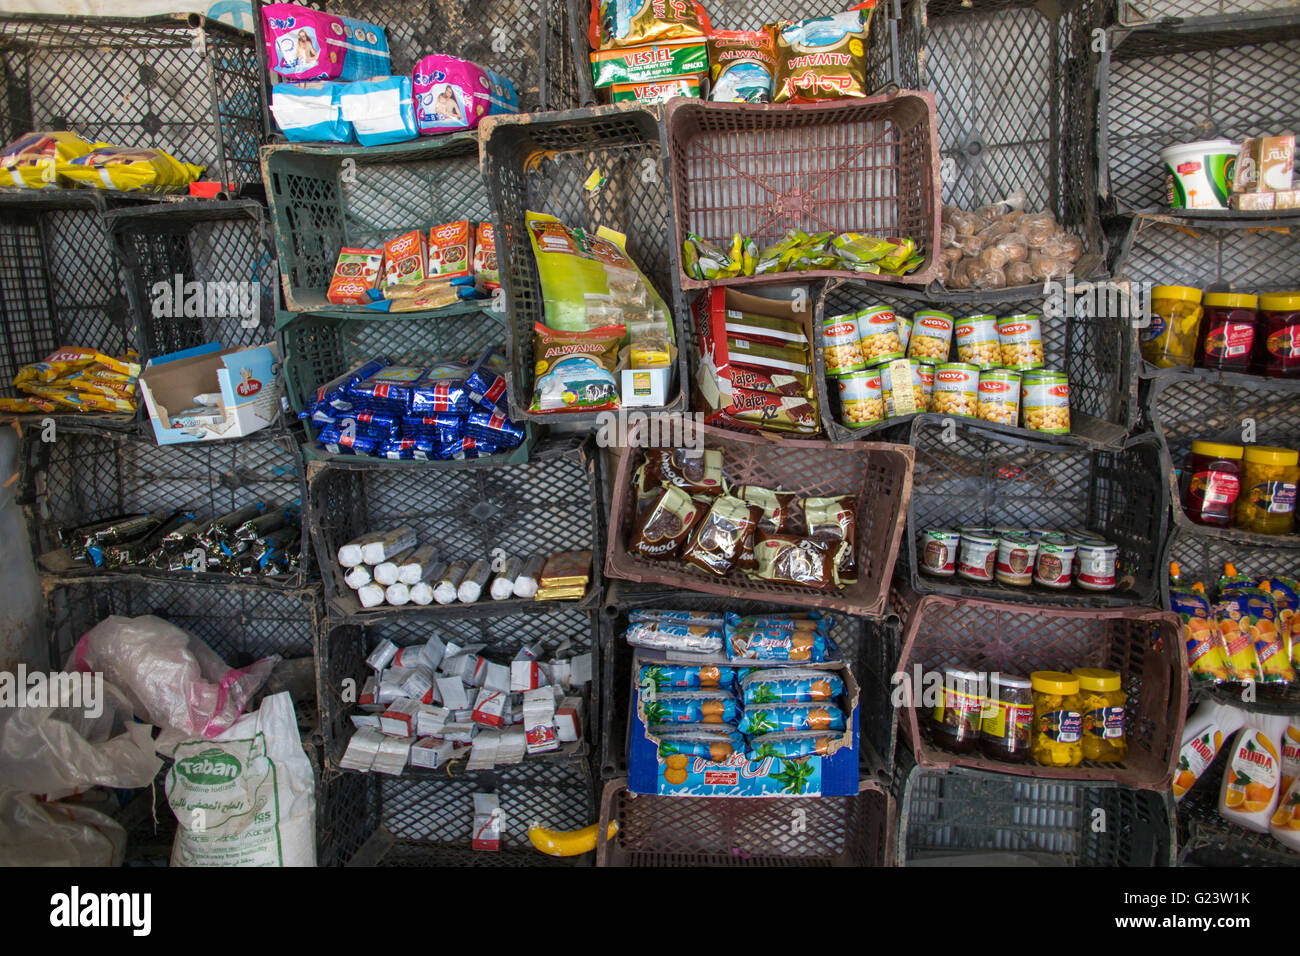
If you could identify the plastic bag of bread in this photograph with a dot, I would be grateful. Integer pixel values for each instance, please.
(986, 278)
(963, 222)
(1015, 246)
(992, 257)
(971, 245)
(1038, 228)
(947, 235)
(1020, 273)
(1047, 267)
(959, 274)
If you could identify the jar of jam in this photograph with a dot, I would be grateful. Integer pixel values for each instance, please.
(1227, 331)
(1008, 719)
(1269, 476)
(1058, 730)
(1279, 327)
(956, 717)
(1212, 483)
(1101, 701)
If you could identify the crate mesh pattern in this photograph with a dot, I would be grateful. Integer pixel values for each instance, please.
(1133, 13)
(1204, 254)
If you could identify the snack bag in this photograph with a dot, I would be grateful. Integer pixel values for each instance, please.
(741, 65)
(1259, 621)
(629, 23)
(485, 256)
(356, 275)
(712, 742)
(32, 161)
(303, 44)
(453, 94)
(1205, 656)
(799, 743)
(1286, 598)
(665, 677)
(775, 685)
(575, 371)
(1232, 621)
(691, 707)
(130, 170)
(761, 719)
(822, 58)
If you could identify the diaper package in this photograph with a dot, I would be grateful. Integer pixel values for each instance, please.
(311, 112)
(380, 110)
(453, 94)
(303, 44)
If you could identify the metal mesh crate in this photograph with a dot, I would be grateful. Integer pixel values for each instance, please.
(976, 476)
(867, 165)
(544, 506)
(1143, 645)
(241, 623)
(215, 259)
(343, 647)
(762, 831)
(1233, 78)
(546, 165)
(378, 820)
(527, 43)
(945, 814)
(324, 198)
(1252, 255)
(87, 474)
(1202, 552)
(1013, 83)
(1096, 351)
(1136, 13)
(180, 83)
(870, 648)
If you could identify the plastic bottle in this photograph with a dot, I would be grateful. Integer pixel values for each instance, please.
(1291, 754)
(1206, 729)
(1285, 823)
(1252, 779)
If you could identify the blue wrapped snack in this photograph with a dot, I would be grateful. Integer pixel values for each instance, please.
(759, 719)
(800, 743)
(464, 448)
(441, 428)
(487, 382)
(441, 390)
(334, 393)
(389, 389)
(339, 439)
(494, 428)
(692, 707)
(407, 448)
(385, 420)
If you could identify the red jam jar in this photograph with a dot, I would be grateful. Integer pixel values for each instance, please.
(1213, 482)
(1279, 326)
(1227, 331)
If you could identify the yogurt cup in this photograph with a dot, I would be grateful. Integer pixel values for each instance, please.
(1199, 175)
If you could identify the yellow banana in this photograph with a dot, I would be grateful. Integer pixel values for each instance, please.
(567, 842)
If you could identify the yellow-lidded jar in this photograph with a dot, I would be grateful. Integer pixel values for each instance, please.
(1058, 730)
(1170, 338)
(1269, 475)
(1101, 701)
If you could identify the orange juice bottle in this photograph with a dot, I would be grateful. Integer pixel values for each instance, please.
(1252, 780)
(1205, 731)
(1285, 823)
(1291, 754)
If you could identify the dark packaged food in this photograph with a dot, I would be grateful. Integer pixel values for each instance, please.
(665, 527)
(831, 522)
(221, 529)
(389, 389)
(494, 428)
(694, 472)
(955, 719)
(776, 506)
(786, 559)
(91, 544)
(441, 390)
(777, 383)
(719, 537)
(791, 413)
(264, 524)
(138, 550)
(77, 539)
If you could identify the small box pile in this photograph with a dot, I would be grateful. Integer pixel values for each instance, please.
(427, 704)
(415, 271)
(1264, 177)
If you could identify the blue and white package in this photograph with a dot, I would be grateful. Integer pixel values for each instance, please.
(380, 110)
(352, 439)
(334, 393)
(408, 448)
(310, 112)
(441, 390)
(304, 44)
(441, 428)
(463, 448)
(486, 381)
(388, 389)
(494, 429)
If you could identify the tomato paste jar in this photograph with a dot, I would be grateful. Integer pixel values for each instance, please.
(1279, 327)
(1227, 331)
(1213, 483)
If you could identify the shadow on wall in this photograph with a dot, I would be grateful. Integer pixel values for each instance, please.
(22, 638)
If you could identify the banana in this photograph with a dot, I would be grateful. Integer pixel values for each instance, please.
(567, 842)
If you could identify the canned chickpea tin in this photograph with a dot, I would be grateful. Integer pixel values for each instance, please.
(1045, 401)
(1021, 340)
(1054, 566)
(999, 396)
(977, 341)
(1015, 562)
(977, 556)
(937, 552)
(931, 337)
(841, 350)
(861, 401)
(878, 333)
(956, 389)
(925, 375)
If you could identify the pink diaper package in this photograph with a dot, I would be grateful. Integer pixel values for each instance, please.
(453, 94)
(304, 44)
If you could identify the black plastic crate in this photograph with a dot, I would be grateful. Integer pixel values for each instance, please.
(59, 283)
(893, 44)
(86, 474)
(1243, 255)
(242, 624)
(547, 505)
(1233, 77)
(966, 812)
(215, 258)
(1096, 350)
(180, 83)
(379, 820)
(527, 43)
(977, 476)
(344, 646)
(324, 198)
(870, 648)
(622, 144)
(1013, 84)
(1136, 13)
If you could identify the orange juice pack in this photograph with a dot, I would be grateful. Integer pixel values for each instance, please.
(1252, 780)
(1206, 729)
(1205, 654)
(1258, 620)
(1286, 598)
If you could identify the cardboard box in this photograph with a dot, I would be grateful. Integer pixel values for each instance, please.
(1264, 164)
(646, 386)
(836, 775)
(248, 381)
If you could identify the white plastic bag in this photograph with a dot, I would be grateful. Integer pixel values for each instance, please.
(171, 677)
(56, 834)
(247, 798)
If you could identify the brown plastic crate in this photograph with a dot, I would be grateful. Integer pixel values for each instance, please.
(1143, 644)
(870, 165)
(762, 831)
(880, 474)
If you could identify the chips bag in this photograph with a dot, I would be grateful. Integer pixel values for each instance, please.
(741, 65)
(33, 161)
(625, 23)
(821, 59)
(130, 170)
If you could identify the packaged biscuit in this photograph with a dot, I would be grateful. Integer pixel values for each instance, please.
(61, 364)
(27, 406)
(356, 276)
(832, 523)
(822, 58)
(786, 413)
(660, 91)
(424, 298)
(788, 357)
(665, 527)
(405, 258)
(675, 636)
(697, 473)
(340, 439)
(701, 618)
(776, 643)
(769, 329)
(805, 743)
(712, 742)
(441, 390)
(771, 685)
(141, 550)
(691, 707)
(686, 676)
(335, 394)
(77, 400)
(88, 542)
(741, 66)
(444, 427)
(761, 719)
(721, 535)
(633, 23)
(575, 371)
(485, 256)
